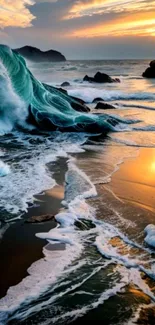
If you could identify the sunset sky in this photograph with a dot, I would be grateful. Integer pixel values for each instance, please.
(82, 29)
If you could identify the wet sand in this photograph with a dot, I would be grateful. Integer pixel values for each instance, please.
(19, 246)
(134, 182)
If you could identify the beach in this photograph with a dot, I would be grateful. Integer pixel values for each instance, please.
(92, 258)
(20, 248)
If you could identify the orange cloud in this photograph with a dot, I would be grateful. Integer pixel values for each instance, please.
(135, 24)
(15, 13)
(82, 8)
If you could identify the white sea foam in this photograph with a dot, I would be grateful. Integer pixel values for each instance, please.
(30, 173)
(4, 169)
(13, 109)
(55, 265)
(46, 271)
(88, 94)
(150, 238)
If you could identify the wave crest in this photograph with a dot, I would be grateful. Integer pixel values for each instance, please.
(46, 107)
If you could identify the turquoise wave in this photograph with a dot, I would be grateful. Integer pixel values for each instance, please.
(45, 107)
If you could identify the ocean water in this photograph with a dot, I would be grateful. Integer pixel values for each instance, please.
(105, 271)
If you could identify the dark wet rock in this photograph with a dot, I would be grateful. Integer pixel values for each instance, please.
(65, 84)
(150, 71)
(102, 105)
(97, 99)
(152, 64)
(34, 54)
(100, 78)
(89, 79)
(116, 80)
(42, 218)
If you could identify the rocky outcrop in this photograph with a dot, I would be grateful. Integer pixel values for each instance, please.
(65, 84)
(37, 219)
(97, 99)
(150, 71)
(102, 105)
(34, 54)
(100, 78)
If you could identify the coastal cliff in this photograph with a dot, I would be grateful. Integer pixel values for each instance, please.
(36, 55)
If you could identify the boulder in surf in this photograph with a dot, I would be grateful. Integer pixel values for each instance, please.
(150, 71)
(100, 78)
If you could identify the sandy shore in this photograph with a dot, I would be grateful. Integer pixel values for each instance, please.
(131, 192)
(19, 246)
(134, 182)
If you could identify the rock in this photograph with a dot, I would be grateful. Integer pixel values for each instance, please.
(100, 78)
(37, 219)
(34, 54)
(152, 64)
(89, 79)
(150, 71)
(65, 84)
(101, 105)
(117, 80)
(97, 99)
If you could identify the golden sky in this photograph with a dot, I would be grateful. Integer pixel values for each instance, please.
(80, 24)
(138, 17)
(15, 13)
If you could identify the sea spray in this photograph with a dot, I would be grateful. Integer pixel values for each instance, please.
(45, 107)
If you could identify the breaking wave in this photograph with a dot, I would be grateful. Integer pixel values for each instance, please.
(25, 99)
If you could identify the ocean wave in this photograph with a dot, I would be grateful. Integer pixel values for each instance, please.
(52, 272)
(30, 166)
(88, 94)
(24, 98)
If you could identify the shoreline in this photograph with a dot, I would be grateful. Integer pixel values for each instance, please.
(19, 247)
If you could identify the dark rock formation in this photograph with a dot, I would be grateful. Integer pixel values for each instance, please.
(89, 79)
(100, 78)
(152, 64)
(33, 54)
(43, 218)
(101, 105)
(97, 99)
(65, 84)
(150, 72)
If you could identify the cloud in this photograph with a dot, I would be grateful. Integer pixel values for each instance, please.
(15, 13)
(126, 25)
(81, 8)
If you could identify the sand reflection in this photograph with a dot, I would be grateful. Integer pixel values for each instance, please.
(135, 180)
